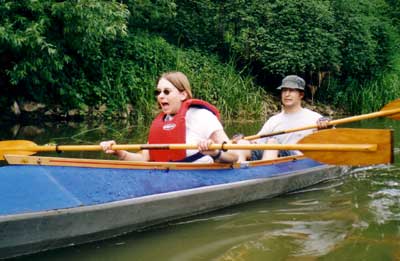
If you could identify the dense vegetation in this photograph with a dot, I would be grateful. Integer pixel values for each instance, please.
(97, 54)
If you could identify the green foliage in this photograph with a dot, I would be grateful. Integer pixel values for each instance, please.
(394, 12)
(79, 54)
(288, 36)
(221, 85)
(89, 53)
(197, 24)
(370, 72)
(128, 75)
(281, 36)
(369, 95)
(146, 57)
(88, 24)
(153, 15)
(352, 40)
(363, 32)
(47, 45)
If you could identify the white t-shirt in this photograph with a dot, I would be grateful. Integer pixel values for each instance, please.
(285, 121)
(200, 124)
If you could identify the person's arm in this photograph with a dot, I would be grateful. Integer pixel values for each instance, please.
(219, 137)
(123, 154)
(142, 155)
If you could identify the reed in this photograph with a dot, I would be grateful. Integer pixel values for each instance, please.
(384, 88)
(233, 92)
(356, 96)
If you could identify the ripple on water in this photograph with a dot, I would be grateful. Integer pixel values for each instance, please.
(385, 205)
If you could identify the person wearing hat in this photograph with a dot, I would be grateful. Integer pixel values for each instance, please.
(293, 115)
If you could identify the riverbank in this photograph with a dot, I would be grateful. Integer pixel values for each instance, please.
(28, 112)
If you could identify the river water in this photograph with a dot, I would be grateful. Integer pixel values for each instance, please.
(356, 217)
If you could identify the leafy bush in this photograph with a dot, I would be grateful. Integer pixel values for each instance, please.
(49, 47)
(146, 57)
(89, 53)
(351, 41)
(220, 84)
(79, 54)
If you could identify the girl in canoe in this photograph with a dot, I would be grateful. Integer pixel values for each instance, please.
(182, 120)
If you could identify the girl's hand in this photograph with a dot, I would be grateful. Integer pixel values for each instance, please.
(107, 146)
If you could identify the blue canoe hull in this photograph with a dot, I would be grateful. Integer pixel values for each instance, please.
(46, 207)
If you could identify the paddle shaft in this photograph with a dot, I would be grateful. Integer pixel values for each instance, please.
(136, 147)
(330, 123)
(331, 146)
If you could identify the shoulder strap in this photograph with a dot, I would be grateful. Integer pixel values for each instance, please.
(191, 158)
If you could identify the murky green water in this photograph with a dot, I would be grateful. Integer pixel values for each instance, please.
(353, 218)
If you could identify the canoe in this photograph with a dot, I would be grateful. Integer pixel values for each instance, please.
(53, 202)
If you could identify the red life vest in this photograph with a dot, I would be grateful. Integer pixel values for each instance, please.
(173, 131)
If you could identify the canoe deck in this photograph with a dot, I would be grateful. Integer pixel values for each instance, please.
(45, 207)
(43, 188)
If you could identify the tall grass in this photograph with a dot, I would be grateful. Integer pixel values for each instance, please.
(373, 94)
(233, 92)
(130, 79)
(357, 96)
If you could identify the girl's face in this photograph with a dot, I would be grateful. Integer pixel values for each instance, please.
(169, 97)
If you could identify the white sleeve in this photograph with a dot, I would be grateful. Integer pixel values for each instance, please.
(200, 124)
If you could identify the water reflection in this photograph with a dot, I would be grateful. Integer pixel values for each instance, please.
(276, 229)
(385, 200)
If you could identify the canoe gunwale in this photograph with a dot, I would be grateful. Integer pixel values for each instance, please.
(96, 163)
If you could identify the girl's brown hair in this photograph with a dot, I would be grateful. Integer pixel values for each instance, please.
(179, 80)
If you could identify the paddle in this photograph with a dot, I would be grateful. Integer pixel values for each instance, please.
(392, 110)
(333, 146)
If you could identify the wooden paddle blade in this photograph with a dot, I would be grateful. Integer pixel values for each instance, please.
(394, 105)
(383, 154)
(16, 147)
